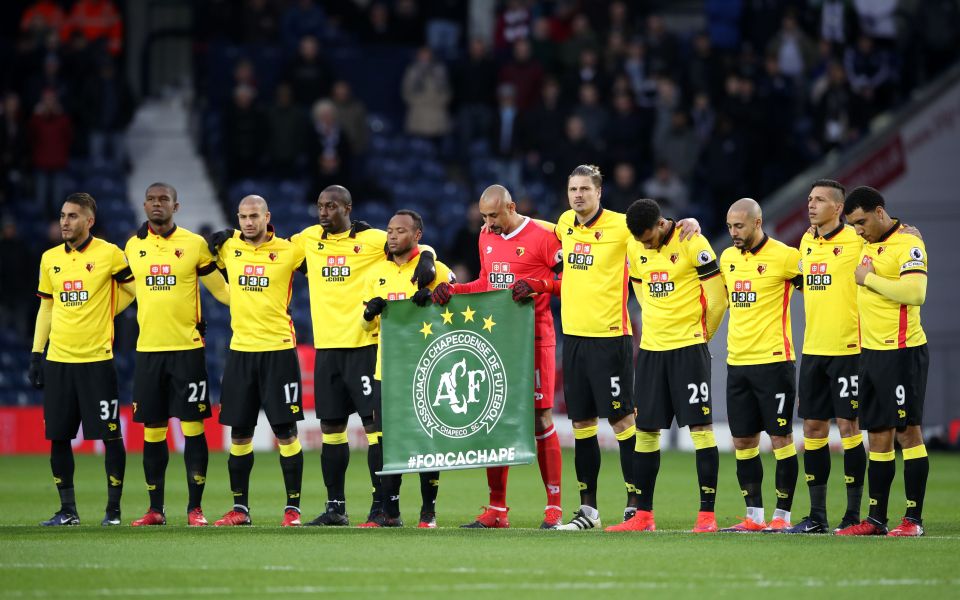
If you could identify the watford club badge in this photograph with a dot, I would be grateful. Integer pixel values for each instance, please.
(357, 249)
(674, 258)
(178, 252)
(761, 269)
(880, 250)
(273, 256)
(598, 235)
(521, 250)
(837, 250)
(90, 266)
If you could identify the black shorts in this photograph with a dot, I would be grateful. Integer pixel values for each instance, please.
(598, 377)
(761, 398)
(255, 380)
(828, 387)
(75, 393)
(170, 384)
(893, 385)
(343, 382)
(673, 383)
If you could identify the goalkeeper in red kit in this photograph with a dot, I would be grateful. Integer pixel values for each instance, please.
(524, 255)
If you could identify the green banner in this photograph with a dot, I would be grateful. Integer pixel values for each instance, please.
(457, 384)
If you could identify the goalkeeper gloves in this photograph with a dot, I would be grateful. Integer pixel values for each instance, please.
(442, 293)
(425, 271)
(525, 288)
(374, 307)
(217, 240)
(35, 374)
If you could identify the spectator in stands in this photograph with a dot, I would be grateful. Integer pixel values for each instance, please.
(635, 67)
(376, 28)
(14, 146)
(506, 137)
(759, 22)
(593, 114)
(287, 130)
(543, 128)
(245, 132)
(628, 133)
(678, 146)
(302, 18)
(872, 76)
(543, 47)
(936, 24)
(524, 73)
(582, 37)
(833, 102)
(878, 19)
(795, 52)
(724, 166)
(704, 68)
(329, 146)
(407, 23)
(17, 274)
(51, 133)
(474, 93)
(668, 190)
(426, 91)
(42, 17)
(623, 190)
(105, 111)
(576, 149)
(98, 21)
(702, 117)
(663, 49)
(513, 24)
(310, 75)
(51, 77)
(259, 22)
(837, 21)
(462, 253)
(588, 71)
(352, 117)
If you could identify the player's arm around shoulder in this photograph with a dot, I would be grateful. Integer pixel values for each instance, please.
(910, 287)
(704, 259)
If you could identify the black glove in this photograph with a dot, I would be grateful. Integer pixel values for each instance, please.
(35, 374)
(423, 297)
(143, 231)
(374, 307)
(442, 293)
(202, 328)
(426, 270)
(217, 239)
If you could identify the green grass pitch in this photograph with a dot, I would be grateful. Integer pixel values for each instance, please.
(266, 561)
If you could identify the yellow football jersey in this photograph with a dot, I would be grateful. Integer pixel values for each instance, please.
(829, 292)
(593, 299)
(83, 286)
(760, 282)
(167, 270)
(885, 324)
(674, 306)
(391, 281)
(337, 265)
(261, 284)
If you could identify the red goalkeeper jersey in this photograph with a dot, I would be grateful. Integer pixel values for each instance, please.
(532, 251)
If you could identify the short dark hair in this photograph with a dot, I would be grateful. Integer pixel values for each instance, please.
(864, 197)
(83, 199)
(643, 215)
(340, 194)
(160, 184)
(591, 171)
(831, 183)
(417, 219)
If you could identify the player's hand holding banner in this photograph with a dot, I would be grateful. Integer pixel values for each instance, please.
(457, 384)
